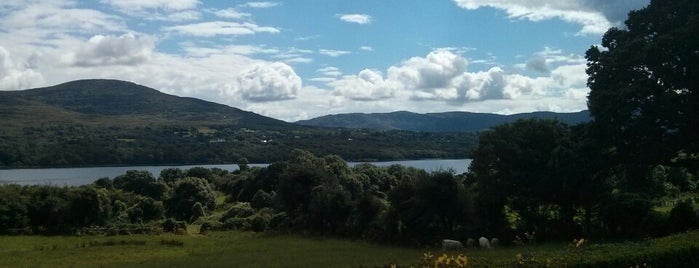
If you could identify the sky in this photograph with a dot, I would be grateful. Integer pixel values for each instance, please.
(300, 59)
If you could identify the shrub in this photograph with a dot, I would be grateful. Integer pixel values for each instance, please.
(682, 218)
(259, 222)
(239, 210)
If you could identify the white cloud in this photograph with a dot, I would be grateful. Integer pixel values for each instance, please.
(15, 76)
(186, 15)
(441, 76)
(537, 64)
(261, 4)
(48, 19)
(595, 16)
(368, 85)
(268, 82)
(126, 49)
(231, 13)
(214, 28)
(139, 5)
(329, 71)
(355, 18)
(333, 53)
(366, 48)
(433, 71)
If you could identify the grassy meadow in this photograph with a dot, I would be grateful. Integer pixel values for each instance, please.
(247, 249)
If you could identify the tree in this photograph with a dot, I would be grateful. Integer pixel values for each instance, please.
(644, 96)
(538, 170)
(141, 182)
(186, 193)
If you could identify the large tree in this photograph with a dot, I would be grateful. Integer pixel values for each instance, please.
(643, 81)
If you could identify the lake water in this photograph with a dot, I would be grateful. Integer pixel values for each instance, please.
(81, 176)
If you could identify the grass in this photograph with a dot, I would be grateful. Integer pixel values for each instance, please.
(246, 249)
(218, 249)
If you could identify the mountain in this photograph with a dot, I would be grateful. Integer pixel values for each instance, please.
(115, 102)
(435, 122)
(111, 122)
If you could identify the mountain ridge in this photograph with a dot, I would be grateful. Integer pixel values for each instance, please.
(455, 121)
(122, 102)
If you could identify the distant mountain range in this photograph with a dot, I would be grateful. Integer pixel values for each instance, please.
(435, 122)
(101, 122)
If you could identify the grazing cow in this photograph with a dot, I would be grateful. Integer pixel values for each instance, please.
(451, 244)
(494, 242)
(470, 243)
(484, 243)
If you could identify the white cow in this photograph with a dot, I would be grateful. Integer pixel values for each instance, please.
(451, 244)
(484, 243)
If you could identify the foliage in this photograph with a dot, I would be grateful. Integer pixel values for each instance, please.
(683, 217)
(186, 193)
(643, 82)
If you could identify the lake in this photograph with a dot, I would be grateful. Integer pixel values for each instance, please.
(81, 176)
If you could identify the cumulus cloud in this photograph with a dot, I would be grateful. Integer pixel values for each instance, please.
(268, 82)
(433, 71)
(595, 16)
(333, 53)
(442, 76)
(214, 28)
(355, 18)
(366, 86)
(537, 64)
(15, 76)
(126, 49)
(138, 5)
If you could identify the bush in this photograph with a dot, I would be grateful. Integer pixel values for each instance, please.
(682, 218)
(259, 222)
(242, 224)
(279, 221)
(209, 226)
(654, 224)
(239, 210)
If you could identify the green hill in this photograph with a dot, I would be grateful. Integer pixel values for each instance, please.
(111, 122)
(115, 102)
(435, 122)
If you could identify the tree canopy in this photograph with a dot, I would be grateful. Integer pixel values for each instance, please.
(643, 81)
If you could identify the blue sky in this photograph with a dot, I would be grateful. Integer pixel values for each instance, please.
(300, 59)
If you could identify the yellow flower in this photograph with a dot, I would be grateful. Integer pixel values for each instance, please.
(580, 243)
(461, 260)
(442, 260)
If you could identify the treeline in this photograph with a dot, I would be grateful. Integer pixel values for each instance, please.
(84, 145)
(529, 176)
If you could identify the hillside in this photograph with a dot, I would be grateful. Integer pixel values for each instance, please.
(111, 122)
(435, 122)
(115, 102)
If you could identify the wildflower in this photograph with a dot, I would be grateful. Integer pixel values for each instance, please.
(461, 260)
(442, 260)
(580, 243)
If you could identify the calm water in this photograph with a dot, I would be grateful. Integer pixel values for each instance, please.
(80, 176)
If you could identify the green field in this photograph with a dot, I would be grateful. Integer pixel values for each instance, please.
(246, 249)
(219, 249)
